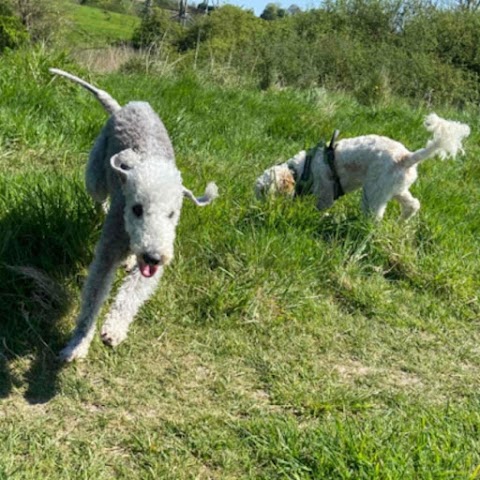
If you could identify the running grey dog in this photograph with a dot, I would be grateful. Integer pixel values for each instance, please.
(384, 168)
(132, 162)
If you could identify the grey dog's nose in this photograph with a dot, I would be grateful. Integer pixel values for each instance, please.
(151, 259)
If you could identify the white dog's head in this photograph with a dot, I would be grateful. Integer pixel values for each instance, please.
(154, 195)
(280, 179)
(277, 180)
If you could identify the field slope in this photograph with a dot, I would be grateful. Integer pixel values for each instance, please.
(283, 343)
(94, 27)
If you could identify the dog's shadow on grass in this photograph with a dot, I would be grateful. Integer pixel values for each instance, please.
(351, 230)
(46, 228)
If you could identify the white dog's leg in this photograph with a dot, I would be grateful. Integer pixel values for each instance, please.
(376, 194)
(408, 203)
(133, 293)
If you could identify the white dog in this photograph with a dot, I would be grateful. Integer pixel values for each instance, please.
(382, 166)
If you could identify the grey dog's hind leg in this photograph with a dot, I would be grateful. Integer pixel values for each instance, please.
(133, 293)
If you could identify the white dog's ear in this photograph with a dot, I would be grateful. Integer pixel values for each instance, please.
(211, 193)
(123, 162)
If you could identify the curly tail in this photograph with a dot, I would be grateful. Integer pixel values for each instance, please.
(108, 103)
(446, 141)
(211, 193)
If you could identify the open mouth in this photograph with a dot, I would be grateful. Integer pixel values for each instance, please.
(146, 269)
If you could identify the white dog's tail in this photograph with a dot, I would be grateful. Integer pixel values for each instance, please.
(109, 103)
(446, 141)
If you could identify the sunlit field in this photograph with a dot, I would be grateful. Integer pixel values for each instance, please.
(282, 342)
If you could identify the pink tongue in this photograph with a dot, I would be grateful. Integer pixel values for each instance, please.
(148, 270)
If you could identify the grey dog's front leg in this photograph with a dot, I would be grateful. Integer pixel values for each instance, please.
(133, 293)
(95, 291)
(109, 253)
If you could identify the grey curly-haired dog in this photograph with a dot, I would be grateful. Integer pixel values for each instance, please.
(132, 162)
(384, 169)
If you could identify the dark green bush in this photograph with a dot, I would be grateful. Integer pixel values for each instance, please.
(6, 9)
(223, 34)
(12, 32)
(157, 29)
(273, 11)
(458, 39)
(374, 48)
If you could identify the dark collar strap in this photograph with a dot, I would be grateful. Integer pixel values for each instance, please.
(329, 157)
(304, 182)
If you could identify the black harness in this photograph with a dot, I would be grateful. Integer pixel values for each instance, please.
(303, 185)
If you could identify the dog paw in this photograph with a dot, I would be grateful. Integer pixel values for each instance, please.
(130, 263)
(112, 337)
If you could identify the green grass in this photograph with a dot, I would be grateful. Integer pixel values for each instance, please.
(96, 27)
(282, 343)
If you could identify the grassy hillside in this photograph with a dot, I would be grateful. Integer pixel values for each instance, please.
(96, 27)
(282, 343)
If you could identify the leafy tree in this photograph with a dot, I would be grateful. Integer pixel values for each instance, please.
(206, 7)
(294, 9)
(456, 38)
(273, 11)
(147, 8)
(41, 18)
(226, 31)
(157, 27)
(6, 8)
(468, 5)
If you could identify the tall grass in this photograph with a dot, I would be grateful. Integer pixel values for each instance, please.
(282, 343)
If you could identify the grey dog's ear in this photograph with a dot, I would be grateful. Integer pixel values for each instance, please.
(211, 193)
(123, 162)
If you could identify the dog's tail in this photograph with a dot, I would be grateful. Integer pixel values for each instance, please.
(109, 103)
(446, 141)
(211, 193)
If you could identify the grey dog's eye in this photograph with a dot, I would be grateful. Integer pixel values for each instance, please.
(171, 214)
(137, 210)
